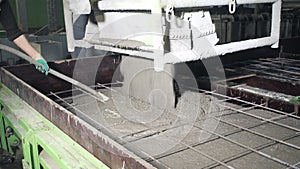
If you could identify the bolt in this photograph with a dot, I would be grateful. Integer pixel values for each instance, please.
(16, 142)
(8, 131)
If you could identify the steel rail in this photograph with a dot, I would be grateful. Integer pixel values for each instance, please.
(92, 86)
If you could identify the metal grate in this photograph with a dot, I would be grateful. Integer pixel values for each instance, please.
(276, 68)
(248, 135)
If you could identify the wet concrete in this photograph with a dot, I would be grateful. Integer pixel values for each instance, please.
(143, 82)
(175, 137)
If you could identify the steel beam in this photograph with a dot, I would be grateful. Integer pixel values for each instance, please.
(113, 5)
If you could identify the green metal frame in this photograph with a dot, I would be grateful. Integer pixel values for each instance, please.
(42, 144)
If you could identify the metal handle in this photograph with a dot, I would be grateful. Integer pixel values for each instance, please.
(232, 6)
(170, 13)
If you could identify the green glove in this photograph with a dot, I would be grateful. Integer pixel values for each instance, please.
(295, 100)
(44, 69)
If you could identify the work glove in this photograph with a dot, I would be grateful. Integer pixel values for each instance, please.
(295, 100)
(44, 69)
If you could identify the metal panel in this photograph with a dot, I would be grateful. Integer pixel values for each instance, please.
(117, 8)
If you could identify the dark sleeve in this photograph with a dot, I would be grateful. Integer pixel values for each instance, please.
(8, 21)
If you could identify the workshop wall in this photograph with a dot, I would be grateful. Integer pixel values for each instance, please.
(50, 44)
(37, 14)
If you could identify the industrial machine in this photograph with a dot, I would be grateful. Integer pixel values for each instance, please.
(166, 32)
(177, 97)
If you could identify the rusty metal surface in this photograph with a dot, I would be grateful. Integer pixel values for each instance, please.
(94, 141)
(258, 99)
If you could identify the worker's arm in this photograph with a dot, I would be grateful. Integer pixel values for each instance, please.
(23, 43)
(14, 34)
